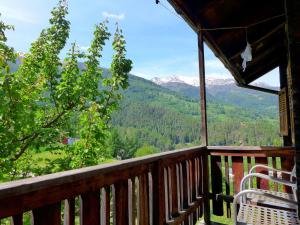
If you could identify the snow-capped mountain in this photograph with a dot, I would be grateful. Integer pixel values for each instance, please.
(194, 81)
(171, 79)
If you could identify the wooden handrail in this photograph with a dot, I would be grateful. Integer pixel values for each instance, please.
(255, 151)
(60, 178)
(252, 148)
(23, 195)
(172, 183)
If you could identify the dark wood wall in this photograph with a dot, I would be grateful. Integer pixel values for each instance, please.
(292, 8)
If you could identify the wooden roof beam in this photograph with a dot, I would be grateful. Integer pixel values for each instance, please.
(266, 90)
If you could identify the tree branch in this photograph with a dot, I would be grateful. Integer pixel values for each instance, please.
(33, 136)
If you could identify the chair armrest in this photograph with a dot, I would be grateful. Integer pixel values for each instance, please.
(267, 195)
(269, 168)
(267, 177)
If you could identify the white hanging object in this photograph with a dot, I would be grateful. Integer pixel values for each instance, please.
(246, 56)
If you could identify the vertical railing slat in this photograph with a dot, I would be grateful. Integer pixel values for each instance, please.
(185, 188)
(47, 215)
(121, 203)
(69, 212)
(90, 208)
(287, 164)
(105, 206)
(262, 183)
(200, 191)
(144, 199)
(133, 210)
(193, 186)
(192, 179)
(159, 209)
(174, 190)
(274, 164)
(238, 172)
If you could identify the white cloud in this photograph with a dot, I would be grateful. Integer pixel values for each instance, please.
(113, 16)
(17, 14)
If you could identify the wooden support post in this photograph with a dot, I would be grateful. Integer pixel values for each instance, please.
(204, 139)
(292, 8)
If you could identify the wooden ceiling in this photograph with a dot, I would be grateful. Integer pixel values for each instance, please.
(266, 32)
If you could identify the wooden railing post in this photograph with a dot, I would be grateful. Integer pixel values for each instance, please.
(206, 203)
(90, 208)
(216, 184)
(159, 209)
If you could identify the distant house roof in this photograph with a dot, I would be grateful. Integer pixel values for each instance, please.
(265, 20)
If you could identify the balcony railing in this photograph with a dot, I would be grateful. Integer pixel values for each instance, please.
(167, 188)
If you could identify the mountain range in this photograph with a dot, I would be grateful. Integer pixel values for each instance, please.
(193, 81)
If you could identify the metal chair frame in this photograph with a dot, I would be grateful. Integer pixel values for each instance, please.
(290, 213)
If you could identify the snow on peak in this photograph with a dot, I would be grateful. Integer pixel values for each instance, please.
(163, 80)
(194, 81)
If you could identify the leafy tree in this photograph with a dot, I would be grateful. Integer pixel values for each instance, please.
(42, 98)
(122, 148)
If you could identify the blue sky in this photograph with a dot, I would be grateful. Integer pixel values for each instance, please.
(159, 43)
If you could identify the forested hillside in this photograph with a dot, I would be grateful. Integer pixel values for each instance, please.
(169, 117)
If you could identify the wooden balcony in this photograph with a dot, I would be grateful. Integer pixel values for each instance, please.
(178, 187)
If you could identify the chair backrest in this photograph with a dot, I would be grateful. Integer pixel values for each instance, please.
(292, 179)
(293, 173)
